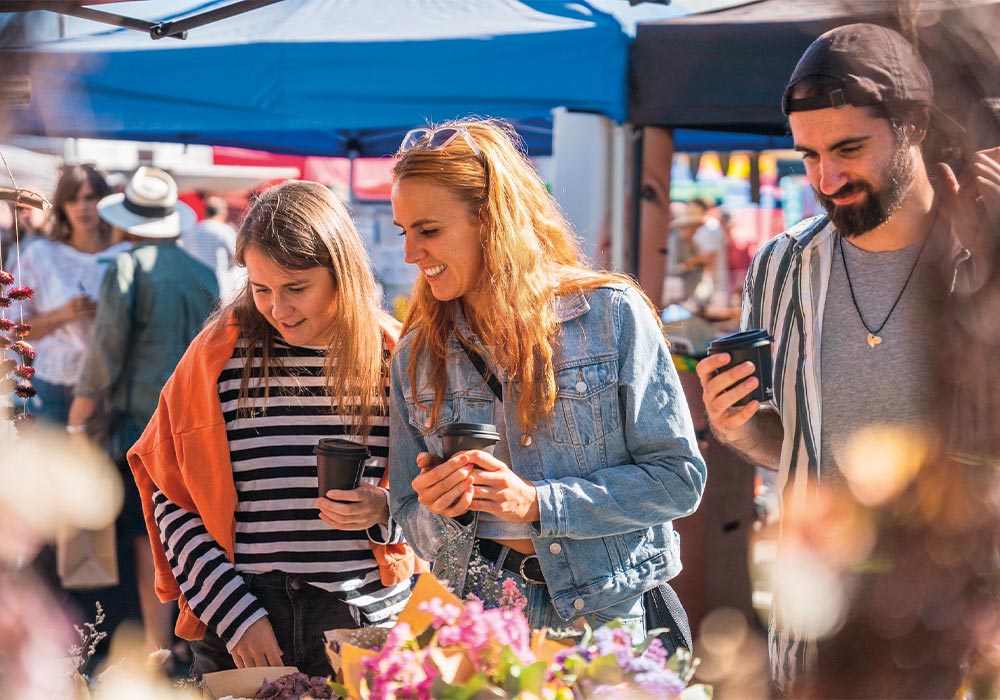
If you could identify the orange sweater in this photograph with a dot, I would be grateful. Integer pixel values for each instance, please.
(184, 452)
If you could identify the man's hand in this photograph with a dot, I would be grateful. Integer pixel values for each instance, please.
(444, 488)
(755, 433)
(258, 646)
(972, 203)
(354, 509)
(720, 393)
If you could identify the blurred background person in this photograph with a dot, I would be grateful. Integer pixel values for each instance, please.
(65, 272)
(213, 243)
(710, 240)
(685, 261)
(153, 301)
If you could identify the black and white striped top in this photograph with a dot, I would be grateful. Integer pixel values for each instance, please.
(277, 522)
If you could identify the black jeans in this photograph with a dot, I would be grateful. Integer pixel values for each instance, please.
(299, 614)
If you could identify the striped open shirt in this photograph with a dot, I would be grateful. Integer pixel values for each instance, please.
(785, 292)
(277, 521)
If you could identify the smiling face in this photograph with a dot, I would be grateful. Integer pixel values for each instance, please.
(300, 304)
(859, 167)
(442, 237)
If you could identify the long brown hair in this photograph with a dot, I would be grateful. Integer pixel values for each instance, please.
(530, 255)
(71, 180)
(299, 226)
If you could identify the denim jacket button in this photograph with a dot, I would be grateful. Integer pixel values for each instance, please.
(525, 440)
(578, 603)
(555, 548)
(581, 387)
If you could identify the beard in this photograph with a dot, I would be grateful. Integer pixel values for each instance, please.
(852, 220)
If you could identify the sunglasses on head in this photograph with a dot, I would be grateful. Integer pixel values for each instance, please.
(437, 139)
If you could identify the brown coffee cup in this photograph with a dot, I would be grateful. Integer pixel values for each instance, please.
(456, 437)
(340, 464)
(753, 345)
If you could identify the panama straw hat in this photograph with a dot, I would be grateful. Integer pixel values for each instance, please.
(148, 207)
(689, 216)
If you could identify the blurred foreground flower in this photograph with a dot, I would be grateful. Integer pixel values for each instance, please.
(50, 484)
(441, 649)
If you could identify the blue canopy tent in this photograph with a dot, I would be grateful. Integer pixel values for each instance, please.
(331, 77)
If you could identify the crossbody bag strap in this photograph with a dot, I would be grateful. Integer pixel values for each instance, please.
(131, 329)
(480, 364)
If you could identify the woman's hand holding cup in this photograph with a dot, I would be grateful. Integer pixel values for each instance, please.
(354, 509)
(444, 488)
(500, 492)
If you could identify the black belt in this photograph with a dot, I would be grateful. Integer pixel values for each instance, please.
(524, 565)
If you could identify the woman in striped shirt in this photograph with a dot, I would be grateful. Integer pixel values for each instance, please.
(262, 567)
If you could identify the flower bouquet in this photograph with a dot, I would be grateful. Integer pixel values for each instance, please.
(442, 649)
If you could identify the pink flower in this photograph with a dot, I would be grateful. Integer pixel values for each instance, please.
(512, 598)
(25, 372)
(25, 390)
(20, 293)
(22, 330)
(6, 324)
(24, 350)
(444, 613)
(6, 279)
(485, 632)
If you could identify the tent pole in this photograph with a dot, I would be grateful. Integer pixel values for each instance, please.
(617, 193)
(635, 239)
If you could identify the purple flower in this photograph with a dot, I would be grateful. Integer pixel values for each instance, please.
(663, 683)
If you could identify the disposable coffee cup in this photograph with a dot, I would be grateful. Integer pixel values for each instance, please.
(755, 346)
(468, 436)
(339, 464)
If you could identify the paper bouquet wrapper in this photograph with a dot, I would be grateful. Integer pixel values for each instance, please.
(241, 682)
(348, 648)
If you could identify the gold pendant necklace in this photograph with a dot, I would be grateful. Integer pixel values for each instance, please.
(873, 337)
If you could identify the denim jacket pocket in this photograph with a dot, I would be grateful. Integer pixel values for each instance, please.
(587, 406)
(419, 417)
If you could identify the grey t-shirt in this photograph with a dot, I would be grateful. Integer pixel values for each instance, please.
(891, 384)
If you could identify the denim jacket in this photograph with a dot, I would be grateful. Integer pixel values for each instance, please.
(615, 463)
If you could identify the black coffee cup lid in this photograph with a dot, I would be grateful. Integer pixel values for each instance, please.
(341, 447)
(477, 429)
(743, 339)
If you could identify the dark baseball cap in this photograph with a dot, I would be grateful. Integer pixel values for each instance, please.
(868, 64)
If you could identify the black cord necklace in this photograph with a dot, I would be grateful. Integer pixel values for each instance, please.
(873, 333)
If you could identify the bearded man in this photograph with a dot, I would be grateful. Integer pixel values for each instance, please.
(849, 297)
